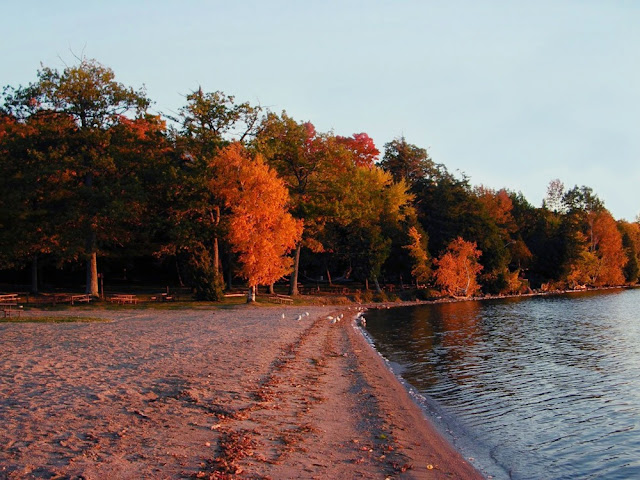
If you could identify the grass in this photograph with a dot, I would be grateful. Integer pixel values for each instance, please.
(53, 319)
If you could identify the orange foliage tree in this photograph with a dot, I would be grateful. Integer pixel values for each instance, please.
(421, 270)
(602, 263)
(458, 268)
(261, 230)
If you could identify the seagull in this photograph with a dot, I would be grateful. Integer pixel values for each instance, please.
(306, 313)
(299, 317)
(283, 315)
(329, 317)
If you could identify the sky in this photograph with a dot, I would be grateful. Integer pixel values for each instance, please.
(512, 94)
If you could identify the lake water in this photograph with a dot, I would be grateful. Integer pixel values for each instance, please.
(530, 388)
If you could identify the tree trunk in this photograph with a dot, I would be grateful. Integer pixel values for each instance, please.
(178, 272)
(329, 277)
(251, 295)
(34, 274)
(216, 249)
(293, 287)
(92, 275)
(216, 257)
(366, 284)
(230, 273)
(375, 281)
(92, 257)
(271, 290)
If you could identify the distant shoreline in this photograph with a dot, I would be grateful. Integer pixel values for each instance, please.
(406, 303)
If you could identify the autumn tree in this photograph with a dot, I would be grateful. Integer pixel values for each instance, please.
(207, 123)
(88, 93)
(301, 157)
(363, 149)
(421, 270)
(594, 254)
(457, 269)
(261, 229)
(602, 262)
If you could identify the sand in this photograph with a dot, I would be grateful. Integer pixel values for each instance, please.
(209, 393)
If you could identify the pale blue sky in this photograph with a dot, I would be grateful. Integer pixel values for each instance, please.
(513, 93)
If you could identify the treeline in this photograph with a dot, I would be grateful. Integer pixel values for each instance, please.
(225, 190)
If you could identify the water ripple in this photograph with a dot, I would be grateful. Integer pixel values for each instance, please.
(536, 388)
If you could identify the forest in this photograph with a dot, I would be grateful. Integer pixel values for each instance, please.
(224, 192)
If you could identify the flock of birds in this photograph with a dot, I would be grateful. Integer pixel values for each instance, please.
(335, 319)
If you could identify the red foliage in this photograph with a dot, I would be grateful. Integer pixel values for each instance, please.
(362, 147)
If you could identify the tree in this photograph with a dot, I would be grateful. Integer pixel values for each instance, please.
(631, 244)
(457, 269)
(301, 157)
(594, 252)
(369, 210)
(89, 94)
(554, 199)
(364, 151)
(406, 162)
(34, 189)
(603, 262)
(261, 229)
(208, 123)
(421, 270)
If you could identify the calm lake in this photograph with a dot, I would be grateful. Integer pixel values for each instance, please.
(530, 388)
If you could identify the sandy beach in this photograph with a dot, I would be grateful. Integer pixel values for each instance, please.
(209, 393)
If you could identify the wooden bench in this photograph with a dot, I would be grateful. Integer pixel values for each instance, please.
(283, 299)
(123, 298)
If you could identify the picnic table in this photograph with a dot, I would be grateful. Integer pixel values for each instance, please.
(123, 298)
(283, 299)
(71, 298)
(83, 297)
(8, 302)
(9, 297)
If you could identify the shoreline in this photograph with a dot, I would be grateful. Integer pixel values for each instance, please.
(409, 303)
(210, 393)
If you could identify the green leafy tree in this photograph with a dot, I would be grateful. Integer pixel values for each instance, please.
(89, 94)
(207, 124)
(371, 207)
(35, 190)
(631, 244)
(303, 158)
(407, 162)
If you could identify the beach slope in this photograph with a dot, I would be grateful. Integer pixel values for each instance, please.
(246, 392)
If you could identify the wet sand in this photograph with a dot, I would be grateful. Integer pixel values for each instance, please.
(209, 393)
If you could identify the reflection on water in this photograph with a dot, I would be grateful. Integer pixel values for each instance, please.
(545, 387)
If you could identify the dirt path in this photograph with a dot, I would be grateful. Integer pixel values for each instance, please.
(208, 394)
